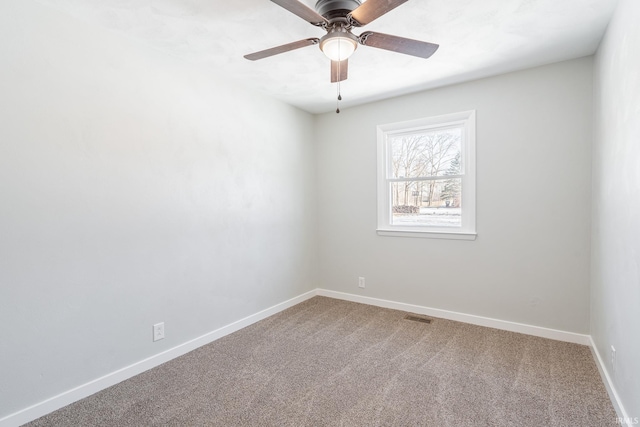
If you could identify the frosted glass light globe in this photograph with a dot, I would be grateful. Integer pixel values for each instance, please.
(338, 48)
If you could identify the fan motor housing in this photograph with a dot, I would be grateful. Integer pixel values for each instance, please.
(331, 9)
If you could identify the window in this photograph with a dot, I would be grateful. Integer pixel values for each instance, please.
(426, 177)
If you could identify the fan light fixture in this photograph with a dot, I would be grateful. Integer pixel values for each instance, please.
(338, 46)
(337, 18)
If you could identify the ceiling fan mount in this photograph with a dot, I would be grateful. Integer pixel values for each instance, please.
(332, 9)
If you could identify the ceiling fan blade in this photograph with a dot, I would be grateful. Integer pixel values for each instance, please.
(303, 11)
(371, 10)
(398, 44)
(339, 70)
(281, 49)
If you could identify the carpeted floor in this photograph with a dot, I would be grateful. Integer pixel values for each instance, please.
(328, 362)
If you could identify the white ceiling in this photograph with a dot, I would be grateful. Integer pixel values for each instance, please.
(477, 38)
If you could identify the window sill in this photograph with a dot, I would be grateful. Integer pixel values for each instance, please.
(428, 234)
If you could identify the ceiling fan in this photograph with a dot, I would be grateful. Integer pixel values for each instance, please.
(338, 18)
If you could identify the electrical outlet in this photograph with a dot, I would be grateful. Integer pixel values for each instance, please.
(613, 359)
(158, 331)
(361, 282)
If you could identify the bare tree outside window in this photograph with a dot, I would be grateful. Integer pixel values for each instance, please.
(425, 171)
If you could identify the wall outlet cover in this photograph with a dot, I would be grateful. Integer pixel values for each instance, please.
(158, 331)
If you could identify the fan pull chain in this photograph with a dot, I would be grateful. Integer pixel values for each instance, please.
(338, 89)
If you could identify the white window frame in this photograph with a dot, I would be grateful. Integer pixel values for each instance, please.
(467, 121)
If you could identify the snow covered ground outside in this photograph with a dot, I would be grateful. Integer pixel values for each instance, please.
(433, 217)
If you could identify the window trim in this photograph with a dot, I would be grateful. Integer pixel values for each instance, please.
(467, 231)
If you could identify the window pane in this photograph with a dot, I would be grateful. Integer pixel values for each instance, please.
(424, 154)
(434, 203)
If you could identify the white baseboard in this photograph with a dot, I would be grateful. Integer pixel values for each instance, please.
(461, 317)
(611, 390)
(85, 390)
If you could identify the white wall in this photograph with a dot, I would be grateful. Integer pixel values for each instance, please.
(615, 258)
(530, 262)
(134, 189)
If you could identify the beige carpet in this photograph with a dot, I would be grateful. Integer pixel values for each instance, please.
(327, 362)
